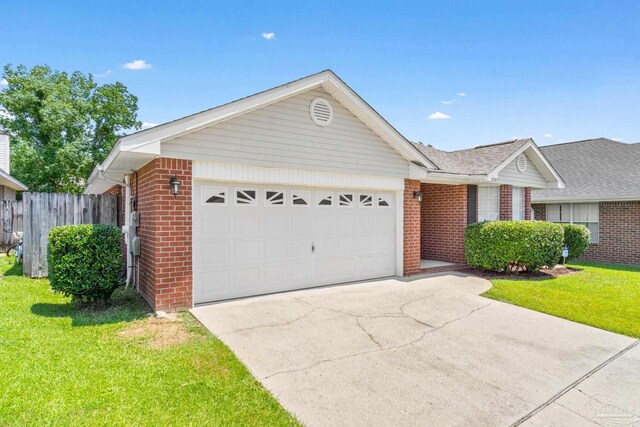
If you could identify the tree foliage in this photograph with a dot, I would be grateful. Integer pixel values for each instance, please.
(61, 125)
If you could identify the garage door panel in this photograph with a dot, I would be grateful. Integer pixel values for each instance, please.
(213, 225)
(299, 222)
(245, 224)
(299, 248)
(212, 254)
(246, 279)
(274, 250)
(274, 224)
(250, 247)
(212, 285)
(299, 274)
(274, 276)
(244, 252)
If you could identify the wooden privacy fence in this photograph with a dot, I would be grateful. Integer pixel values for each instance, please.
(43, 211)
(12, 220)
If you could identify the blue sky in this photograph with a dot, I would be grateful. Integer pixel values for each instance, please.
(565, 69)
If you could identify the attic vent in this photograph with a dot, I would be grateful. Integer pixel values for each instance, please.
(521, 163)
(321, 112)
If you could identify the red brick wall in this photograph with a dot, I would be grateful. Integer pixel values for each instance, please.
(619, 234)
(165, 268)
(506, 206)
(443, 220)
(539, 212)
(527, 203)
(411, 256)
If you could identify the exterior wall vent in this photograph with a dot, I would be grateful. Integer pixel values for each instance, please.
(521, 163)
(321, 112)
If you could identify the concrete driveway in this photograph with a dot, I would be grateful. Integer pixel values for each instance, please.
(428, 351)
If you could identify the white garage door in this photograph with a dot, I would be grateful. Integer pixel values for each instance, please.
(252, 240)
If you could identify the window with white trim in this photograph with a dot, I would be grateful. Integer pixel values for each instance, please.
(488, 203)
(517, 203)
(587, 214)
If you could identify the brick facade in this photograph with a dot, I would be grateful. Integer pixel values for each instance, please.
(443, 220)
(506, 206)
(411, 228)
(619, 226)
(165, 265)
(539, 212)
(527, 203)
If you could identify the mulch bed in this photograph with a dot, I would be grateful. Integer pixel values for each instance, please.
(544, 273)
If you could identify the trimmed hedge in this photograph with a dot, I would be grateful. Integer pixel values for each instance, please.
(513, 246)
(85, 261)
(577, 237)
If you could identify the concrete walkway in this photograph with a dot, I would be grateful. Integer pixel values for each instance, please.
(427, 351)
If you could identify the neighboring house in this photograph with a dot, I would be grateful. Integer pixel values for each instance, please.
(299, 186)
(8, 184)
(602, 192)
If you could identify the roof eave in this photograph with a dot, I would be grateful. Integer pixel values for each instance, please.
(9, 181)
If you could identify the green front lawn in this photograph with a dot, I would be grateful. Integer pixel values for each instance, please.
(604, 296)
(63, 366)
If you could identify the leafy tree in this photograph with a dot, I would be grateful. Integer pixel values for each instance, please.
(61, 125)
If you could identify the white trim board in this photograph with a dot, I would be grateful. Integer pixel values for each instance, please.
(261, 175)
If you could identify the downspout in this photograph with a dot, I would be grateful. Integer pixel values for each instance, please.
(127, 230)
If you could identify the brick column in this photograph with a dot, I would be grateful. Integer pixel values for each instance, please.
(411, 256)
(527, 203)
(506, 207)
(539, 212)
(165, 234)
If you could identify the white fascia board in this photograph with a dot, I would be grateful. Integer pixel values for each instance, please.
(219, 114)
(435, 177)
(9, 181)
(586, 200)
(538, 160)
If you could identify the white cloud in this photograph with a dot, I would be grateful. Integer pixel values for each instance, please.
(618, 139)
(147, 125)
(105, 74)
(438, 116)
(4, 82)
(462, 94)
(138, 64)
(548, 135)
(447, 102)
(269, 36)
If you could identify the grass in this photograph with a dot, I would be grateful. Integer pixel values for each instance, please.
(600, 295)
(63, 365)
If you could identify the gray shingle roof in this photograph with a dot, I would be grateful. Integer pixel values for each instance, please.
(594, 169)
(473, 161)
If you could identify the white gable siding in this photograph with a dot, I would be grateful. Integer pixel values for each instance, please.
(283, 135)
(4, 153)
(531, 177)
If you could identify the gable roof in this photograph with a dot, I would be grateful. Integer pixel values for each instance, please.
(488, 160)
(599, 169)
(133, 151)
(480, 160)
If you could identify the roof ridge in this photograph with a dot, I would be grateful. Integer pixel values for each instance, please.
(589, 140)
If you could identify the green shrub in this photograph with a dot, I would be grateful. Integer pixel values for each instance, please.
(513, 245)
(577, 237)
(85, 261)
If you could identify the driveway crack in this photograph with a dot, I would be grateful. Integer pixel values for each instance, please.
(360, 353)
